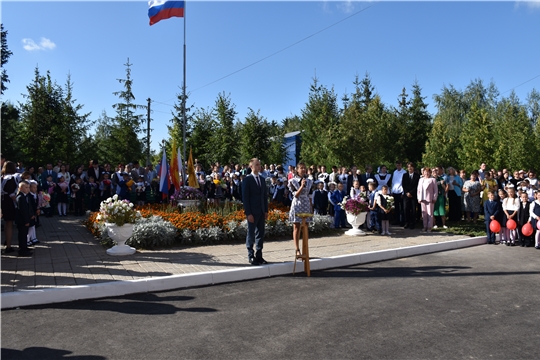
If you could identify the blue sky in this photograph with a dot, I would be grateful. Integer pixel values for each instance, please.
(437, 43)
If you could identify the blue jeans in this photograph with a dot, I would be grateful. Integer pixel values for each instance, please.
(255, 236)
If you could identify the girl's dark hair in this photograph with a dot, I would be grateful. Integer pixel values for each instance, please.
(9, 168)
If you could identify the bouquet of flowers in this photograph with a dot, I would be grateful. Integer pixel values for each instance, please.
(117, 212)
(354, 205)
(188, 193)
(389, 202)
(106, 182)
(45, 199)
(74, 188)
(220, 183)
(363, 197)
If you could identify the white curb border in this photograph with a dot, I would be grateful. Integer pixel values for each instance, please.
(171, 282)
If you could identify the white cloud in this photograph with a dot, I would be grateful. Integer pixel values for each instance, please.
(44, 44)
(534, 4)
(346, 6)
(47, 44)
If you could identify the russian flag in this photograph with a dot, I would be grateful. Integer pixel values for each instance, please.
(164, 182)
(163, 9)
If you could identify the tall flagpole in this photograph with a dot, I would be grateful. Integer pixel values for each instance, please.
(184, 177)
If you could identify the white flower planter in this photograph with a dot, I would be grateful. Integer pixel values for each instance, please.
(120, 234)
(356, 221)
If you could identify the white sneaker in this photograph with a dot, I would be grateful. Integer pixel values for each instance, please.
(445, 227)
(435, 227)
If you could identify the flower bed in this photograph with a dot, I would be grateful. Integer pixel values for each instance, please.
(194, 227)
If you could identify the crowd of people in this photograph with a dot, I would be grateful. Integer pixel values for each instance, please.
(429, 196)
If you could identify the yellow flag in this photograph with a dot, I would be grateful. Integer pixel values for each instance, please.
(192, 177)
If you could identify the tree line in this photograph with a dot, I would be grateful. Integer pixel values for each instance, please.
(470, 126)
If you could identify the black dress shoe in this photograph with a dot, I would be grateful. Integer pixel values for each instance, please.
(8, 250)
(406, 226)
(262, 261)
(251, 260)
(255, 262)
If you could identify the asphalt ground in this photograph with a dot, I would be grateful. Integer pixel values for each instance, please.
(476, 303)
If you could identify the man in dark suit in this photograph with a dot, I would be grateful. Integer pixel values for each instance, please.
(255, 199)
(45, 174)
(367, 175)
(95, 171)
(409, 182)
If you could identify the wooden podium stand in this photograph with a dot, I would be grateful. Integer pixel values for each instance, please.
(304, 229)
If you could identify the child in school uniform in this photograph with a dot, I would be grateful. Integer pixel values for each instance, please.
(331, 188)
(339, 213)
(61, 190)
(535, 218)
(355, 190)
(93, 194)
(105, 186)
(51, 189)
(123, 186)
(31, 238)
(23, 217)
(140, 190)
(279, 192)
(382, 178)
(77, 194)
(492, 208)
(510, 207)
(374, 222)
(320, 200)
(523, 216)
(503, 234)
(384, 210)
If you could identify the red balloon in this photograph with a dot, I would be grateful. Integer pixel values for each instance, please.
(494, 226)
(527, 229)
(511, 224)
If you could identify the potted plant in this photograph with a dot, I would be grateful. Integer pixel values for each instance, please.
(356, 210)
(119, 217)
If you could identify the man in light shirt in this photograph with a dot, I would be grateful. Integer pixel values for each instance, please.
(397, 193)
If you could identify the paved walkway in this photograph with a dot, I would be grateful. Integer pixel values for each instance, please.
(69, 255)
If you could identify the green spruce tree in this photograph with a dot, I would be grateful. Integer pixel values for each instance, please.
(126, 146)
